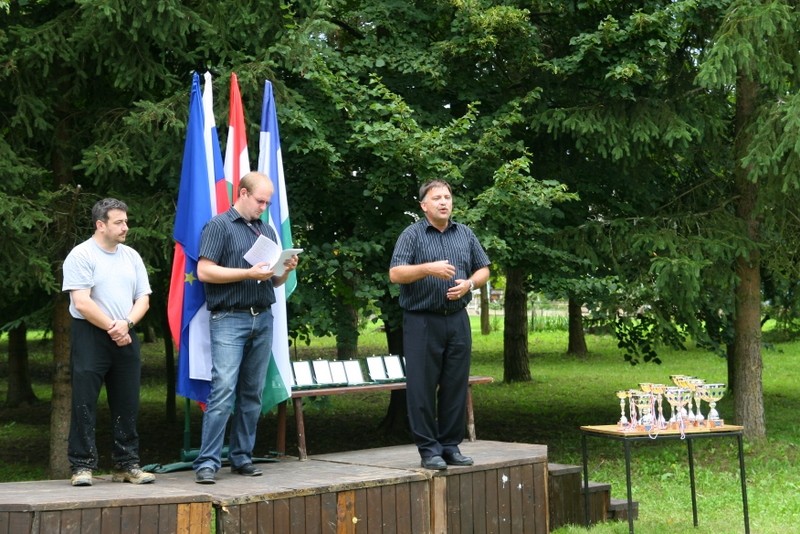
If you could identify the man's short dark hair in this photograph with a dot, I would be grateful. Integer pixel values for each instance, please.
(430, 185)
(102, 207)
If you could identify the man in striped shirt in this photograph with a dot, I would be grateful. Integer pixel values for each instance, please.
(239, 297)
(438, 263)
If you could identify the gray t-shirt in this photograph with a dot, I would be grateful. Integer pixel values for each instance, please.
(117, 279)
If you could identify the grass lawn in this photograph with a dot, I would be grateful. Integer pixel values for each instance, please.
(565, 393)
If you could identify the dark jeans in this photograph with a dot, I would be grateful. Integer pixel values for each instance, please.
(437, 350)
(96, 359)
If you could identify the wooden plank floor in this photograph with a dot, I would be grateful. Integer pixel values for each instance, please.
(332, 474)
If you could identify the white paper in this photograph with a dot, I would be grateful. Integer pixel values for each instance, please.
(279, 268)
(353, 370)
(302, 373)
(322, 371)
(338, 374)
(375, 367)
(394, 369)
(267, 250)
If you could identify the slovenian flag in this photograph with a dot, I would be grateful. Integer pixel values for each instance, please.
(237, 160)
(220, 196)
(197, 202)
(278, 384)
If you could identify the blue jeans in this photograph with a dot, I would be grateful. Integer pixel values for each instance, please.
(241, 346)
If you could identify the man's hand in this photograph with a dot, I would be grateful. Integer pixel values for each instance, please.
(441, 269)
(260, 271)
(119, 333)
(461, 288)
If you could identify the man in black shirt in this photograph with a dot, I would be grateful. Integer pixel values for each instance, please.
(239, 297)
(438, 263)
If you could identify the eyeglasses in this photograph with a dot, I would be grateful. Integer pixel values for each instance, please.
(260, 202)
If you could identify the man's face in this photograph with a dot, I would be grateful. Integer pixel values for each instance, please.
(115, 229)
(256, 202)
(437, 205)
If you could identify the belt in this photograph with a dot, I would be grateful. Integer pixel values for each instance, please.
(444, 313)
(252, 310)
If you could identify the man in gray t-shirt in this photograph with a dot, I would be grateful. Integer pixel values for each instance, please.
(109, 293)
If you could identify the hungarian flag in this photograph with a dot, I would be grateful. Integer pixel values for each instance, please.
(197, 202)
(237, 161)
(278, 384)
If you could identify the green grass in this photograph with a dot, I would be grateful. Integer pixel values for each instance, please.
(565, 393)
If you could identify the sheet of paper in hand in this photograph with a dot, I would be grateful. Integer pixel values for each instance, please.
(267, 250)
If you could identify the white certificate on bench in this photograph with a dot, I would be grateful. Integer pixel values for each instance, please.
(394, 369)
(322, 371)
(338, 374)
(302, 374)
(375, 367)
(354, 374)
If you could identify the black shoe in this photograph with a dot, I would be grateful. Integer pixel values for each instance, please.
(248, 470)
(204, 475)
(456, 458)
(434, 462)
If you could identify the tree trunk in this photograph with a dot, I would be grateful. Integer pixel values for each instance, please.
(486, 325)
(577, 338)
(747, 365)
(20, 391)
(61, 409)
(730, 351)
(515, 334)
(346, 332)
(61, 399)
(396, 419)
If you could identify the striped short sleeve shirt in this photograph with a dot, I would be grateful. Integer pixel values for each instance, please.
(225, 240)
(422, 243)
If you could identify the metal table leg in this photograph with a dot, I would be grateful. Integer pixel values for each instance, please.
(628, 482)
(691, 479)
(585, 482)
(744, 484)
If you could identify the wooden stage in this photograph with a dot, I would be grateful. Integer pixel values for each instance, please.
(368, 491)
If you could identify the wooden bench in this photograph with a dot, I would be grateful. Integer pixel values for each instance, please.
(299, 394)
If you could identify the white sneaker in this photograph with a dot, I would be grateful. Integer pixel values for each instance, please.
(82, 477)
(134, 475)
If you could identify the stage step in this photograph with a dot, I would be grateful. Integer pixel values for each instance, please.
(566, 504)
(618, 510)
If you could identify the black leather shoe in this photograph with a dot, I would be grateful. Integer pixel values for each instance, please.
(434, 462)
(204, 475)
(248, 470)
(456, 458)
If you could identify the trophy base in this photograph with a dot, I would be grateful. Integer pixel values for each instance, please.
(713, 423)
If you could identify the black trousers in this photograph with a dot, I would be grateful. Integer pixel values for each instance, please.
(96, 359)
(437, 350)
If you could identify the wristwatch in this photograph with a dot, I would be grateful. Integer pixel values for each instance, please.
(130, 324)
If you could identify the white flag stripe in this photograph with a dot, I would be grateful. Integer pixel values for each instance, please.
(199, 337)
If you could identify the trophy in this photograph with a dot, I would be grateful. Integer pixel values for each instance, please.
(693, 384)
(677, 397)
(644, 405)
(658, 392)
(712, 393)
(622, 395)
(680, 381)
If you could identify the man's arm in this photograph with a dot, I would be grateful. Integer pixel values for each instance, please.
(212, 273)
(406, 274)
(480, 277)
(140, 307)
(88, 308)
